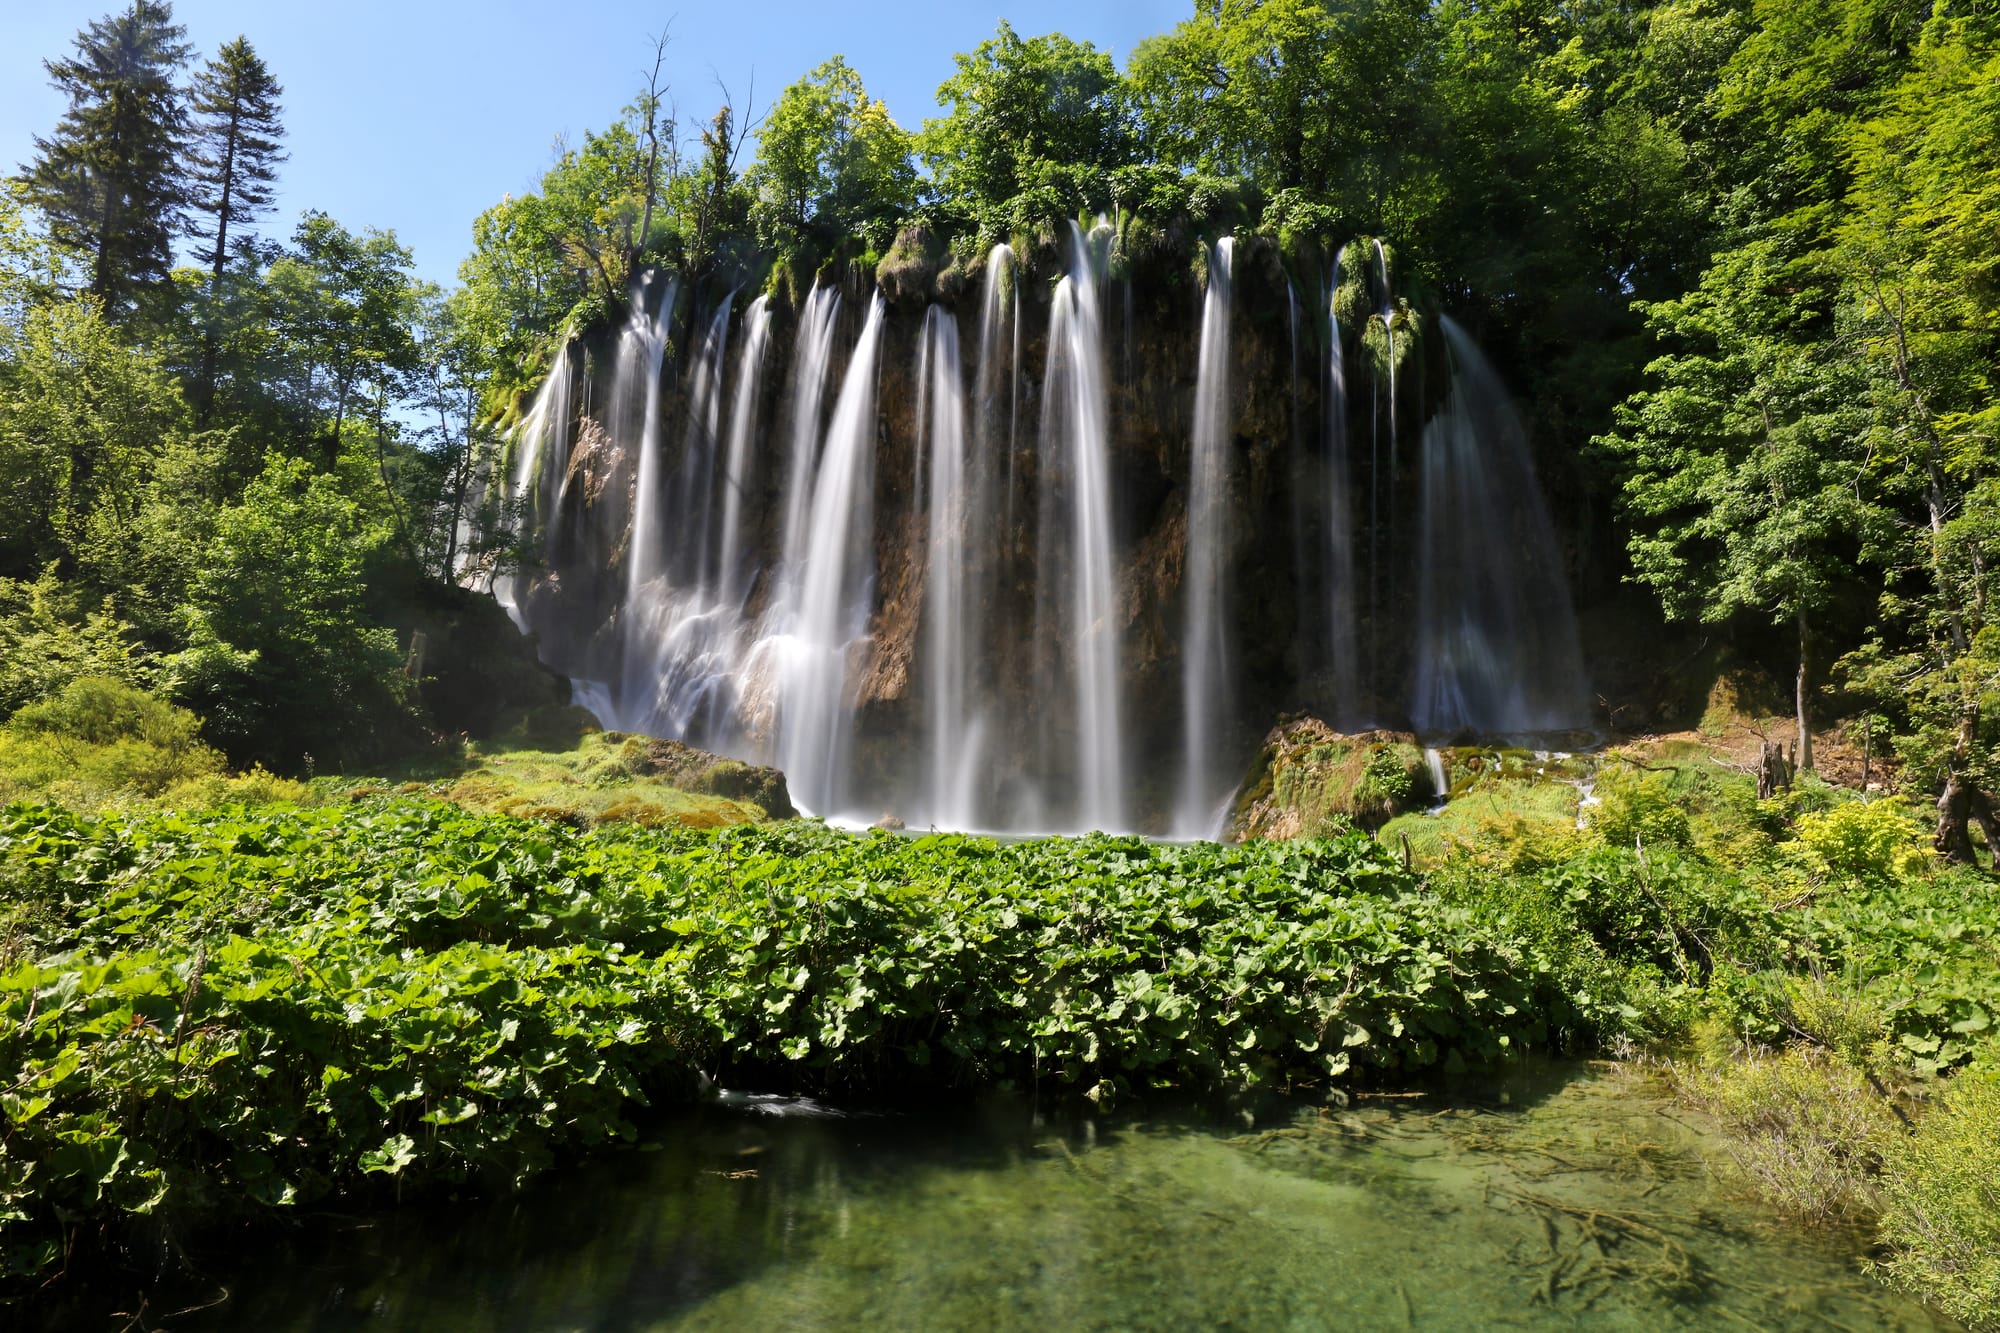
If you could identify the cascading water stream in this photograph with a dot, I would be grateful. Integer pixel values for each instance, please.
(1206, 690)
(693, 492)
(999, 355)
(1076, 446)
(955, 547)
(642, 349)
(541, 453)
(812, 354)
(1497, 650)
(835, 587)
(732, 561)
(1345, 655)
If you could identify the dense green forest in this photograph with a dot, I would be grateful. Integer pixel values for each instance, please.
(1740, 260)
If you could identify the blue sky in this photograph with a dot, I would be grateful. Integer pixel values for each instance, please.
(415, 116)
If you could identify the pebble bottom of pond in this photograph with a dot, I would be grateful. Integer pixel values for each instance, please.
(1574, 1197)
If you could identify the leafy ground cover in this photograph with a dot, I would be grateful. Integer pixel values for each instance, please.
(207, 1015)
(220, 1012)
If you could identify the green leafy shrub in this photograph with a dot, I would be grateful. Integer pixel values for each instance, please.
(98, 738)
(1941, 1204)
(49, 637)
(1641, 810)
(1924, 954)
(214, 791)
(1875, 840)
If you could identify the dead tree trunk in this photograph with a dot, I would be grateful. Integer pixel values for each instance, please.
(1774, 771)
(1955, 805)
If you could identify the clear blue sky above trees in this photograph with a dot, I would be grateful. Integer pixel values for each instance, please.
(415, 116)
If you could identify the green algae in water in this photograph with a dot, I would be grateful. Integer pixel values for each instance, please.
(1573, 1198)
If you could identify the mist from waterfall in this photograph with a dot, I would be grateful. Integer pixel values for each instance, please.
(1497, 648)
(1206, 690)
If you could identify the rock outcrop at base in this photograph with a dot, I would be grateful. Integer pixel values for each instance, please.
(1309, 780)
(712, 775)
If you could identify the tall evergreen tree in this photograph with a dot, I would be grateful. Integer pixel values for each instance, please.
(236, 151)
(236, 142)
(107, 178)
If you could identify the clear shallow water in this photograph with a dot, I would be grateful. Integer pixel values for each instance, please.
(1567, 1199)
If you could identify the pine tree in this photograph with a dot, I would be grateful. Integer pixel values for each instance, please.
(236, 144)
(106, 179)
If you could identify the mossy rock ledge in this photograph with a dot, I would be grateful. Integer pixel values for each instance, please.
(1309, 780)
(699, 771)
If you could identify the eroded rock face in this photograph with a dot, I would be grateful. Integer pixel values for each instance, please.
(1309, 780)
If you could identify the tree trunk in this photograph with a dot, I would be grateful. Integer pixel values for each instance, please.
(1805, 731)
(211, 341)
(1774, 771)
(1983, 815)
(1952, 839)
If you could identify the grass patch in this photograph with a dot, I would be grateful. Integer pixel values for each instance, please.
(1807, 1128)
(599, 778)
(1486, 812)
(1941, 1204)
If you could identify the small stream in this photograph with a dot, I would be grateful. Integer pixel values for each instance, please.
(1568, 1197)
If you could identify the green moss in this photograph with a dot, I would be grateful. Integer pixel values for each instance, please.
(609, 778)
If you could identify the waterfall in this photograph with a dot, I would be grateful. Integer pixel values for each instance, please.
(1206, 690)
(693, 492)
(716, 577)
(995, 313)
(1497, 649)
(1346, 661)
(642, 349)
(812, 353)
(541, 453)
(835, 585)
(1076, 448)
(954, 549)
(732, 561)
